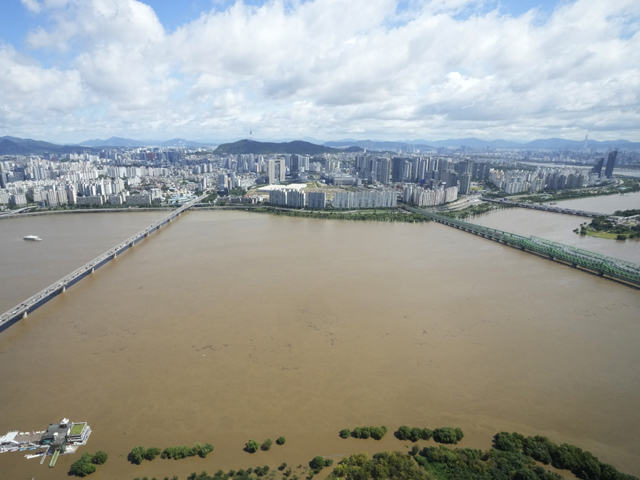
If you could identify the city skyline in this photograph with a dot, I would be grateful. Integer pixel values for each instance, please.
(321, 69)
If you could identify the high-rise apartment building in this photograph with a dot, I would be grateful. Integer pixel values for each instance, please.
(277, 171)
(317, 200)
(296, 199)
(278, 197)
(465, 184)
(347, 200)
(384, 169)
(597, 168)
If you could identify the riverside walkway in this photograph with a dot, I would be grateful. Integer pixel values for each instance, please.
(546, 208)
(602, 265)
(36, 301)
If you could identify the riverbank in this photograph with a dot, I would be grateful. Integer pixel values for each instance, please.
(390, 215)
(629, 185)
(531, 457)
(86, 210)
(301, 328)
(475, 210)
(611, 228)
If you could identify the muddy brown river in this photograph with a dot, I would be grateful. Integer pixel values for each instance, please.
(228, 326)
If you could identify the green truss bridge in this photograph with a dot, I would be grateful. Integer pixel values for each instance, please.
(602, 265)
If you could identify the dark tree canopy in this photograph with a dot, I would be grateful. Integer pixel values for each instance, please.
(83, 466)
(99, 457)
(252, 446)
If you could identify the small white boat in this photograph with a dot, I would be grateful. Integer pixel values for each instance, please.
(33, 238)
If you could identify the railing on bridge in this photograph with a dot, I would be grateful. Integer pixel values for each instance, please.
(545, 208)
(42, 297)
(601, 264)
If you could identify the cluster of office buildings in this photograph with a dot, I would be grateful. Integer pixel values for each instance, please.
(527, 181)
(431, 173)
(427, 197)
(552, 178)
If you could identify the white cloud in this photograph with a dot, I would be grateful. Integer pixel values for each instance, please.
(32, 5)
(325, 68)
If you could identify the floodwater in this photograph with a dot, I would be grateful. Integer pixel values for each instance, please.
(68, 242)
(558, 228)
(606, 204)
(228, 326)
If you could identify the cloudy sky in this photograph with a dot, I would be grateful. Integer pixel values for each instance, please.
(71, 70)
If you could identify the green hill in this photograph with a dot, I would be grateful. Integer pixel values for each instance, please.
(265, 148)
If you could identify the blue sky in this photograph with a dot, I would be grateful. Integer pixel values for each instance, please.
(383, 69)
(16, 20)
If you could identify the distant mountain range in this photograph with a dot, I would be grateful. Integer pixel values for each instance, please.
(265, 148)
(27, 146)
(378, 145)
(542, 144)
(127, 142)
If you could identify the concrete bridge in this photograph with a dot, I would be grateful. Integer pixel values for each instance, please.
(546, 208)
(36, 301)
(609, 267)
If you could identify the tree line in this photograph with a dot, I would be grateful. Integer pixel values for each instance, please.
(583, 465)
(602, 224)
(474, 210)
(365, 432)
(513, 457)
(440, 435)
(360, 216)
(252, 446)
(138, 454)
(627, 213)
(86, 464)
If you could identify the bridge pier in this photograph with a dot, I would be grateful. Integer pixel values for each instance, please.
(90, 267)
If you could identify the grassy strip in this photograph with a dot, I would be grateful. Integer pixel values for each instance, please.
(603, 228)
(474, 210)
(629, 185)
(374, 216)
(595, 233)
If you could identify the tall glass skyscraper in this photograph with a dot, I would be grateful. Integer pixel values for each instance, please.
(611, 162)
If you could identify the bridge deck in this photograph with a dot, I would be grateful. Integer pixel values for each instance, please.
(603, 265)
(36, 301)
(545, 208)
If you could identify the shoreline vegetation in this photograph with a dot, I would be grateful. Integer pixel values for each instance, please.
(511, 457)
(474, 210)
(602, 227)
(629, 185)
(138, 454)
(391, 215)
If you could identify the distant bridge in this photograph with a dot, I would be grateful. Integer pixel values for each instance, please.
(602, 265)
(546, 208)
(36, 301)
